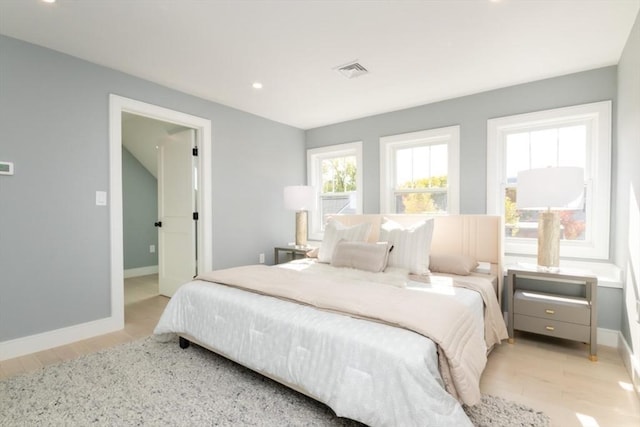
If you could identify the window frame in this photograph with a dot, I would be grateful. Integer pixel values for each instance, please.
(597, 115)
(390, 144)
(315, 156)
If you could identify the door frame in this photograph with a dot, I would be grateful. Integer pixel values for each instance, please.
(118, 105)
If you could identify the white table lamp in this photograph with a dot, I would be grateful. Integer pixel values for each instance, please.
(300, 198)
(553, 189)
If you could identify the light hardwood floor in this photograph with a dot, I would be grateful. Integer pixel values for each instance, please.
(553, 376)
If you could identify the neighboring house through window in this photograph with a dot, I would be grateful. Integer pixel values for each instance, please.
(419, 172)
(572, 136)
(336, 174)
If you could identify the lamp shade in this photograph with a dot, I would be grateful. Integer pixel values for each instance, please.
(560, 188)
(299, 197)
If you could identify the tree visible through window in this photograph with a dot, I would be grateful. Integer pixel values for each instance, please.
(578, 136)
(338, 185)
(336, 173)
(432, 198)
(560, 146)
(420, 172)
(421, 179)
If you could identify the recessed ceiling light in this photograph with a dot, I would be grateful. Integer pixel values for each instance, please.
(257, 85)
(48, 1)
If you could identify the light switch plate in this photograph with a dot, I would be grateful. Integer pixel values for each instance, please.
(101, 198)
(6, 168)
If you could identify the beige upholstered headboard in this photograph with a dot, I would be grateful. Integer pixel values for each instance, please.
(478, 236)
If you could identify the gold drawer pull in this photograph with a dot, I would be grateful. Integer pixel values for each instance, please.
(549, 311)
(550, 328)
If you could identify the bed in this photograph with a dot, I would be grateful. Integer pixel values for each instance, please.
(394, 347)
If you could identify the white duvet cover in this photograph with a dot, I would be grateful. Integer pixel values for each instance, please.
(370, 372)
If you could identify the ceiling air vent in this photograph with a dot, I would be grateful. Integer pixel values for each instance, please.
(352, 70)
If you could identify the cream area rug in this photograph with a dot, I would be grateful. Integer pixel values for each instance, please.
(152, 383)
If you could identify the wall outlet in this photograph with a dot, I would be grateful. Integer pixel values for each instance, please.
(261, 258)
(152, 249)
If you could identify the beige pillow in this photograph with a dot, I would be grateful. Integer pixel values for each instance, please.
(334, 232)
(462, 265)
(361, 255)
(313, 253)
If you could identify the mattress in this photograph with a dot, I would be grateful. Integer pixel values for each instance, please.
(371, 372)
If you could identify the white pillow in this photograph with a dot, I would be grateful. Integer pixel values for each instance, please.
(411, 246)
(334, 232)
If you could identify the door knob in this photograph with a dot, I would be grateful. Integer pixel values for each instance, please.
(158, 224)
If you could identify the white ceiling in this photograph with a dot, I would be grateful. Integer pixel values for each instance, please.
(417, 52)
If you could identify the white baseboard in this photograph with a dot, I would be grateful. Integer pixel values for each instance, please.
(631, 362)
(140, 271)
(608, 337)
(46, 340)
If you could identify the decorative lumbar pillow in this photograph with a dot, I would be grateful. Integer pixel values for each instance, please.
(313, 253)
(411, 246)
(462, 265)
(361, 255)
(334, 232)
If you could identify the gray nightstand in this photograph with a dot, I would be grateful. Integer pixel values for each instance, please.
(555, 303)
(292, 252)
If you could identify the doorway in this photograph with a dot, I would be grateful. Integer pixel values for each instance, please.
(159, 178)
(117, 106)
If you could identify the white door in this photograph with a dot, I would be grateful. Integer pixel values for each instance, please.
(176, 205)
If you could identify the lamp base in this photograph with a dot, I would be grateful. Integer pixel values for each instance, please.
(301, 228)
(549, 239)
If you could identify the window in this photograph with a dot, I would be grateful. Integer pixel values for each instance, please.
(419, 172)
(572, 136)
(336, 174)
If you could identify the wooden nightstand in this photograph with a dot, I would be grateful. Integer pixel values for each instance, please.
(292, 252)
(563, 307)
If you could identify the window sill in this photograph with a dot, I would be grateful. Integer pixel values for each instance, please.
(609, 275)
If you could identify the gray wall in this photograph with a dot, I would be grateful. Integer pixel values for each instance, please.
(139, 212)
(471, 113)
(627, 183)
(54, 256)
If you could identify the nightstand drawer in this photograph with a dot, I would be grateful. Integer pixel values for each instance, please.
(552, 328)
(552, 307)
(539, 301)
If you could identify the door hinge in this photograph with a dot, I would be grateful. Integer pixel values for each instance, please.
(195, 216)
(195, 151)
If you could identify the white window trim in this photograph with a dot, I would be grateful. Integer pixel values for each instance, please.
(388, 144)
(599, 164)
(314, 159)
